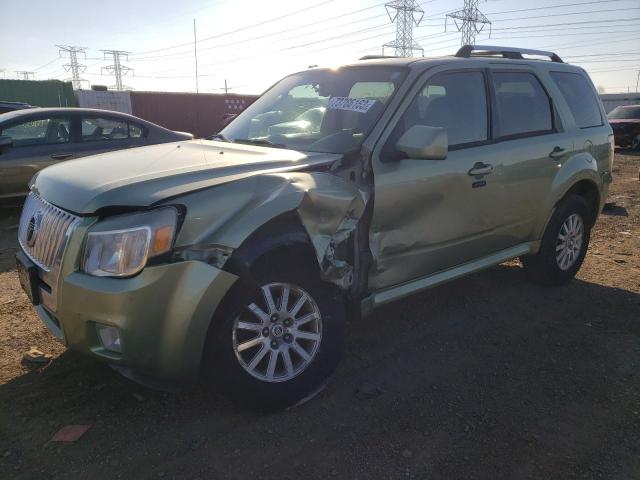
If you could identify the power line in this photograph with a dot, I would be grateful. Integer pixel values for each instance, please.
(247, 27)
(117, 69)
(73, 66)
(547, 7)
(467, 21)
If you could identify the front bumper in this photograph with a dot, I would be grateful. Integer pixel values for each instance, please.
(162, 314)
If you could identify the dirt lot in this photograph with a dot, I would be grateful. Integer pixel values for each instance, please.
(487, 377)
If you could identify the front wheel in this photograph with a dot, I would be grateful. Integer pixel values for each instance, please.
(274, 345)
(564, 244)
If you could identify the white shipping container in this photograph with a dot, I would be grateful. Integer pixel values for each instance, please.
(115, 101)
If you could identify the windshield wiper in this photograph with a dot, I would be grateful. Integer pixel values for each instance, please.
(259, 141)
(218, 136)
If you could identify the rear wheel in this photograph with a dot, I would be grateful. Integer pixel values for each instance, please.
(274, 345)
(564, 244)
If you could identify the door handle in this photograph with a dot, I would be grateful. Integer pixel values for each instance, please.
(61, 156)
(556, 152)
(480, 169)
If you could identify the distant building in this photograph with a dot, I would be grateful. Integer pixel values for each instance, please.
(613, 100)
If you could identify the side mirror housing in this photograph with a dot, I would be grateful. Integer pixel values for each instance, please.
(5, 143)
(422, 142)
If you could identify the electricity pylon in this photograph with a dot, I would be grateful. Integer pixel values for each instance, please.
(117, 69)
(407, 14)
(467, 21)
(24, 75)
(73, 66)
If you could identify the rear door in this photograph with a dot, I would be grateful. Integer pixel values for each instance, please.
(38, 141)
(530, 145)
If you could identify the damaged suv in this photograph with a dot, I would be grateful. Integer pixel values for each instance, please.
(240, 259)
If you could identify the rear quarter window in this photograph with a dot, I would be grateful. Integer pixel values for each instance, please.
(580, 97)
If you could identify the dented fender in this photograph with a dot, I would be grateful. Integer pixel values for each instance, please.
(328, 207)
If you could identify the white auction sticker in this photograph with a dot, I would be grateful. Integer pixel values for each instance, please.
(361, 105)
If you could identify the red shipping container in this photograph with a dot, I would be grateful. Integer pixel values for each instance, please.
(201, 114)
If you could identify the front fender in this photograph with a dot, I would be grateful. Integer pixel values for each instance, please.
(328, 207)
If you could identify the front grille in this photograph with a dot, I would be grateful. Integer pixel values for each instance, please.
(44, 230)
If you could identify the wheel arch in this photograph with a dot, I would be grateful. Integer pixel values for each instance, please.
(588, 190)
(284, 233)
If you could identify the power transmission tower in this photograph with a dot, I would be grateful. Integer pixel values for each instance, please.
(24, 75)
(117, 69)
(73, 66)
(407, 14)
(467, 21)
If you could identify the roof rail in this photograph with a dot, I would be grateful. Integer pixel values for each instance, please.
(376, 57)
(507, 52)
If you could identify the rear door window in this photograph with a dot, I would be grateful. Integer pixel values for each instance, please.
(580, 97)
(40, 131)
(522, 108)
(104, 129)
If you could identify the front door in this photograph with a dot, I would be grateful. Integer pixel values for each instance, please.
(37, 143)
(431, 215)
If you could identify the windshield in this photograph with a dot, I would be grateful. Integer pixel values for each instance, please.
(624, 113)
(318, 110)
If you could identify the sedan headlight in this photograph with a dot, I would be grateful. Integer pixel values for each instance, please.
(120, 246)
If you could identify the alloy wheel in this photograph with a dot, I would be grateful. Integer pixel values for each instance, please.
(569, 241)
(277, 337)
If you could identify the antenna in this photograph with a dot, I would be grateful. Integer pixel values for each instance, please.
(407, 14)
(73, 66)
(117, 69)
(467, 21)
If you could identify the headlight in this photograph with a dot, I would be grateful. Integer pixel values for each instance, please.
(120, 246)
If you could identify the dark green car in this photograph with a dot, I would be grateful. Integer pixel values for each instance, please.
(242, 258)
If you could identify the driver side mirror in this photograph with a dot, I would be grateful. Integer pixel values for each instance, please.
(422, 142)
(5, 143)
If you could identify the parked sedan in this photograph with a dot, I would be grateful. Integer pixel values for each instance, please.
(35, 138)
(625, 121)
(11, 106)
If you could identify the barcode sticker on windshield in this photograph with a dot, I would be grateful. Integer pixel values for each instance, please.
(361, 105)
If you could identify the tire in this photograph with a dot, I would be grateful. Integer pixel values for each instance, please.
(549, 266)
(635, 143)
(228, 365)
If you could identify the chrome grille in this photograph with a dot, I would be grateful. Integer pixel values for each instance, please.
(44, 230)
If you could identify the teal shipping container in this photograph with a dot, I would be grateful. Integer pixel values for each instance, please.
(39, 93)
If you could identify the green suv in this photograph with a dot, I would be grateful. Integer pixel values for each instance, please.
(241, 259)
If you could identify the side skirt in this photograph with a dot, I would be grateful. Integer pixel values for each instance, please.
(381, 297)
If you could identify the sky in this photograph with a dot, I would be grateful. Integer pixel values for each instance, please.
(253, 43)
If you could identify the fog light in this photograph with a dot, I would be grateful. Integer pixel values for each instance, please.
(109, 337)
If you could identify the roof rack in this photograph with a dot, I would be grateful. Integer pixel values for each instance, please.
(376, 57)
(506, 52)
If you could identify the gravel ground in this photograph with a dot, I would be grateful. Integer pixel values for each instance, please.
(486, 377)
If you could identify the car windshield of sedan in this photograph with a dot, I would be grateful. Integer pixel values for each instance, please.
(624, 113)
(318, 110)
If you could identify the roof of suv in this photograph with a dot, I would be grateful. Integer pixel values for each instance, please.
(493, 54)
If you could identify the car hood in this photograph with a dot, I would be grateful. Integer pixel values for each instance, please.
(146, 175)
